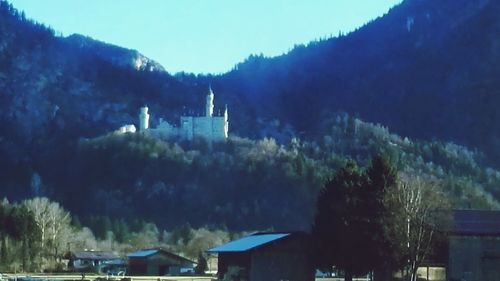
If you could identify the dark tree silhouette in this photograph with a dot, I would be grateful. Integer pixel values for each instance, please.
(335, 232)
(382, 253)
(349, 227)
(202, 265)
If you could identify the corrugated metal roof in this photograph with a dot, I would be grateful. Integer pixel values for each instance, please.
(143, 253)
(248, 243)
(94, 255)
(476, 222)
(149, 252)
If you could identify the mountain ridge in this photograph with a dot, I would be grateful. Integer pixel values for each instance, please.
(115, 54)
(400, 70)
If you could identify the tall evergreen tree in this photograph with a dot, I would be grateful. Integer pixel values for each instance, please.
(28, 233)
(382, 178)
(349, 228)
(335, 231)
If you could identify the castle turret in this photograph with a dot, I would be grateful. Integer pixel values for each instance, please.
(143, 119)
(209, 107)
(226, 122)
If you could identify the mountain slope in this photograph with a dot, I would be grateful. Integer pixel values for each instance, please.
(55, 90)
(114, 54)
(427, 69)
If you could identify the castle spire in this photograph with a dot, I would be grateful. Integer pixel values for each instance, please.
(209, 107)
(226, 122)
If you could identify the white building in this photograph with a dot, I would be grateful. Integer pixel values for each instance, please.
(209, 126)
(126, 129)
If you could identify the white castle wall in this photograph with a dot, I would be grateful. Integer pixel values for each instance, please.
(187, 130)
(202, 127)
(218, 128)
(126, 129)
(213, 128)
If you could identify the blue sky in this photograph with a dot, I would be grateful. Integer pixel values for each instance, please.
(204, 36)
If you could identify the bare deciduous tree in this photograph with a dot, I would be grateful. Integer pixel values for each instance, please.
(418, 210)
(53, 223)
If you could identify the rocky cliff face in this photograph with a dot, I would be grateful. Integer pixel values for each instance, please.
(116, 55)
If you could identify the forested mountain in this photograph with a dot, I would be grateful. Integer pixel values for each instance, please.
(244, 184)
(55, 90)
(426, 70)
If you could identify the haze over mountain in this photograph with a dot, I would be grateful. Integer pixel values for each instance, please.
(426, 70)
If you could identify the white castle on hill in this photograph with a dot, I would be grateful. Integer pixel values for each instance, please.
(209, 127)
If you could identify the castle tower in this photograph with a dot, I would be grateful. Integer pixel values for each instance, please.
(143, 119)
(226, 122)
(209, 107)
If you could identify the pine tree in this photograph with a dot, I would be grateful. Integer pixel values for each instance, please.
(349, 229)
(335, 231)
(382, 177)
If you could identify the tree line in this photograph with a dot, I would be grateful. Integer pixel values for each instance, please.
(31, 233)
(36, 233)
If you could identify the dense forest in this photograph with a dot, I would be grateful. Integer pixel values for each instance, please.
(247, 184)
(427, 70)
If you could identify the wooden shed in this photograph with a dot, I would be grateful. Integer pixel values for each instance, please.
(158, 262)
(265, 257)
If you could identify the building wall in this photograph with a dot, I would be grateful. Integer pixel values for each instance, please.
(82, 264)
(156, 265)
(218, 128)
(137, 266)
(164, 130)
(283, 260)
(228, 261)
(287, 260)
(474, 258)
(186, 127)
(210, 128)
(202, 127)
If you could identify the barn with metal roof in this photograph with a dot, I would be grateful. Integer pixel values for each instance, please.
(265, 256)
(474, 245)
(158, 262)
